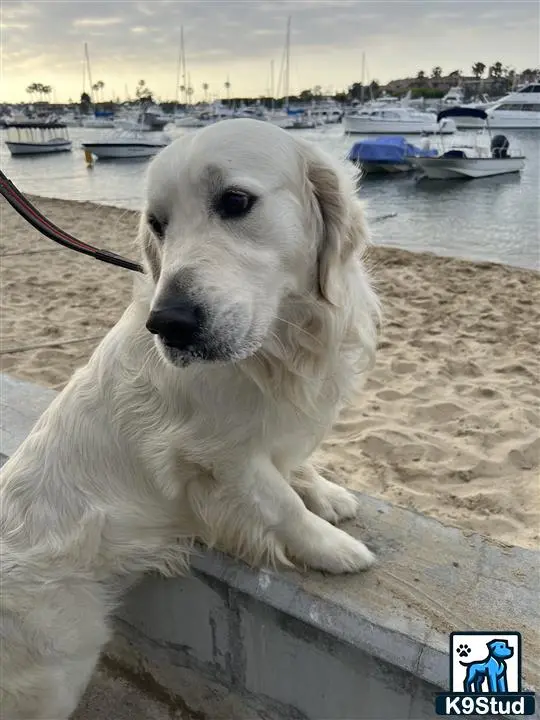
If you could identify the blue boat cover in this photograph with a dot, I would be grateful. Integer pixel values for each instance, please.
(388, 149)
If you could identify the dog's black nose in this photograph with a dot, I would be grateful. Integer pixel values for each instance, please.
(178, 323)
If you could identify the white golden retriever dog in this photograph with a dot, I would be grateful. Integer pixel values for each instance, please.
(197, 414)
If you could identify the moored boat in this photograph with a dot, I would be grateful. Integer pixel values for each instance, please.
(473, 155)
(37, 139)
(123, 145)
(388, 154)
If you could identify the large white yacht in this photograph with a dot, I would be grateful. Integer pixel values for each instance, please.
(519, 109)
(393, 120)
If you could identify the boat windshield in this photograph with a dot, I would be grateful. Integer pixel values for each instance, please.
(530, 89)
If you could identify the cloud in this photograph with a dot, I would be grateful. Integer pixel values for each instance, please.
(13, 26)
(128, 40)
(97, 22)
(14, 10)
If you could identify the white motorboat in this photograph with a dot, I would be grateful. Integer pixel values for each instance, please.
(455, 96)
(475, 155)
(256, 112)
(327, 112)
(37, 139)
(147, 120)
(296, 120)
(212, 114)
(386, 120)
(519, 109)
(99, 122)
(123, 145)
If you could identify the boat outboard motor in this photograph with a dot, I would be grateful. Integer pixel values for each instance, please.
(499, 146)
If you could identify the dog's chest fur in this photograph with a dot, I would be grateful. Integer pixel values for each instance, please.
(289, 421)
(205, 411)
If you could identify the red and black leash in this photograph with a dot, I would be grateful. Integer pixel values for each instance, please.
(32, 215)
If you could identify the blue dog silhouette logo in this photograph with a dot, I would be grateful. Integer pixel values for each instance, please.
(482, 662)
(485, 676)
(492, 669)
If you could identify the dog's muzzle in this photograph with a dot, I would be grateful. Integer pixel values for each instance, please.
(178, 323)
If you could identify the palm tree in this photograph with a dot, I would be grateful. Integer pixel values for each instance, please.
(97, 87)
(143, 93)
(496, 70)
(530, 75)
(421, 79)
(228, 90)
(478, 69)
(46, 90)
(205, 87)
(436, 72)
(86, 101)
(183, 91)
(512, 77)
(189, 91)
(31, 89)
(39, 90)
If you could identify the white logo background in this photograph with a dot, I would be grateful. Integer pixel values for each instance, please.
(478, 652)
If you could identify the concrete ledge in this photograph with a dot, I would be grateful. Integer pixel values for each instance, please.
(293, 645)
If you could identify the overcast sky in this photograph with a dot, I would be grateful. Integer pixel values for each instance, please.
(43, 40)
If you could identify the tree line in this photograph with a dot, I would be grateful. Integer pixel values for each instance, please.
(421, 85)
(497, 70)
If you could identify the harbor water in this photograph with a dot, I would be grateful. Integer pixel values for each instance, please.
(494, 219)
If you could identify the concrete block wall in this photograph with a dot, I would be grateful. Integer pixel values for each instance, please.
(234, 643)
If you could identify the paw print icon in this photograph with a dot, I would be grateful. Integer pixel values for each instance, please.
(463, 651)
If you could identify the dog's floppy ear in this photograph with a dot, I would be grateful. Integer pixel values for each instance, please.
(342, 225)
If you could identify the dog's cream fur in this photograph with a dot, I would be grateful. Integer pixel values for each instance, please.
(137, 455)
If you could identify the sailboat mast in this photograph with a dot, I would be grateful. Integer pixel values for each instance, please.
(363, 77)
(287, 62)
(183, 63)
(177, 86)
(272, 88)
(87, 57)
(84, 75)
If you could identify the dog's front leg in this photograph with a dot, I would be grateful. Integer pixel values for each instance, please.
(323, 497)
(251, 511)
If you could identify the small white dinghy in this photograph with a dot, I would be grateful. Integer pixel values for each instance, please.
(127, 144)
(37, 138)
(474, 155)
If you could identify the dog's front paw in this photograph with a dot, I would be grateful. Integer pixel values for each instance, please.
(330, 501)
(324, 547)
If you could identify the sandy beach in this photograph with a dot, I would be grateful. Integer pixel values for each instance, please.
(448, 422)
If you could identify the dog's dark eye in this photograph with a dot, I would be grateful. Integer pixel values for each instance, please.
(158, 226)
(234, 203)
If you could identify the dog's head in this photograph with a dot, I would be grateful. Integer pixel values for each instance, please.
(500, 649)
(241, 217)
